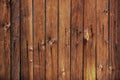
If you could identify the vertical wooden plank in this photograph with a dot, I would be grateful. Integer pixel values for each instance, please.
(102, 39)
(114, 40)
(26, 40)
(39, 39)
(51, 39)
(90, 39)
(15, 39)
(5, 40)
(77, 40)
(64, 40)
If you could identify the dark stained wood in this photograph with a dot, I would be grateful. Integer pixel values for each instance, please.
(39, 39)
(51, 39)
(26, 40)
(114, 49)
(77, 40)
(102, 39)
(90, 39)
(5, 40)
(64, 40)
(15, 39)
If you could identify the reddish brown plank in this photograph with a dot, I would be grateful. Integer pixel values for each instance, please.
(39, 39)
(77, 40)
(89, 39)
(114, 40)
(15, 39)
(5, 40)
(102, 39)
(51, 39)
(64, 40)
(26, 40)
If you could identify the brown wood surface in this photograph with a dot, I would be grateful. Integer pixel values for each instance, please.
(26, 40)
(39, 39)
(4, 40)
(102, 39)
(15, 39)
(59, 40)
(51, 39)
(114, 72)
(90, 39)
(64, 40)
(77, 40)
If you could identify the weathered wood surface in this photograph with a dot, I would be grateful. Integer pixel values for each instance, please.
(102, 39)
(77, 39)
(59, 40)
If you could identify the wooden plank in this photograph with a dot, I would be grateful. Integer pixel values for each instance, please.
(102, 39)
(39, 39)
(26, 40)
(64, 40)
(114, 40)
(90, 39)
(5, 40)
(77, 40)
(51, 39)
(15, 40)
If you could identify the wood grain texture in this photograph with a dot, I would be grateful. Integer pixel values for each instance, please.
(64, 40)
(114, 72)
(102, 39)
(15, 39)
(77, 40)
(39, 39)
(5, 40)
(90, 39)
(26, 40)
(51, 39)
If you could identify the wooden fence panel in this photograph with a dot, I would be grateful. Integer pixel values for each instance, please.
(77, 40)
(15, 40)
(59, 39)
(102, 39)
(51, 39)
(64, 40)
(4, 40)
(114, 40)
(90, 39)
(26, 40)
(39, 39)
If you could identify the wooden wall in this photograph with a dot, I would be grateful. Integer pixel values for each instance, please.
(59, 40)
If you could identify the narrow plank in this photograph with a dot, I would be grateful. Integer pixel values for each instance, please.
(102, 39)
(114, 40)
(90, 39)
(5, 40)
(64, 40)
(39, 39)
(26, 40)
(51, 39)
(15, 39)
(77, 40)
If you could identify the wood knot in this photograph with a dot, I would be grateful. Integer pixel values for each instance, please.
(7, 27)
(86, 35)
(51, 42)
(100, 67)
(31, 49)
